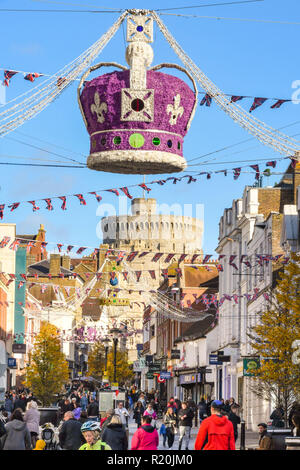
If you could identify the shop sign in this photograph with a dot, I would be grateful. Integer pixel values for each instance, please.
(12, 363)
(19, 348)
(250, 366)
(188, 379)
(214, 360)
(175, 353)
(165, 375)
(155, 367)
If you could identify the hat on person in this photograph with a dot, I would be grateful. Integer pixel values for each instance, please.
(263, 425)
(40, 444)
(217, 404)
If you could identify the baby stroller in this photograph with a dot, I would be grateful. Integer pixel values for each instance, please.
(48, 435)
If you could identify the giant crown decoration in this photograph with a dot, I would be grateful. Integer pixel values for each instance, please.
(137, 118)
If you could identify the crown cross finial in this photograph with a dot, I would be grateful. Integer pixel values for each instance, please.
(175, 110)
(99, 108)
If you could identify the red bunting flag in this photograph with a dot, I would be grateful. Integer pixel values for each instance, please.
(144, 253)
(95, 252)
(236, 98)
(169, 257)
(125, 275)
(256, 169)
(206, 100)
(49, 205)
(194, 257)
(231, 259)
(99, 198)
(115, 191)
(206, 258)
(34, 206)
(29, 246)
(278, 104)
(43, 247)
(126, 192)
(182, 257)
(179, 272)
(237, 172)
(32, 76)
(256, 103)
(15, 244)
(59, 246)
(272, 163)
(8, 74)
(4, 242)
(81, 199)
(143, 186)
(156, 257)
(99, 276)
(1, 210)
(131, 256)
(60, 81)
(138, 275)
(64, 200)
(80, 250)
(69, 248)
(14, 206)
(152, 274)
(164, 273)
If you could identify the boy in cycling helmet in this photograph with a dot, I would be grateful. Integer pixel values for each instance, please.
(91, 433)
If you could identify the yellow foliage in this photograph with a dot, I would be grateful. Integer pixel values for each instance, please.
(48, 368)
(123, 369)
(96, 360)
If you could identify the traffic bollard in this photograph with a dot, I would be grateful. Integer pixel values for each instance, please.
(243, 435)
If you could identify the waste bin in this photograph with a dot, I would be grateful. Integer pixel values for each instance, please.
(278, 436)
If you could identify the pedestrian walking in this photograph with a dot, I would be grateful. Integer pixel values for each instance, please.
(70, 436)
(170, 422)
(123, 413)
(202, 407)
(114, 434)
(149, 411)
(235, 419)
(138, 413)
(32, 419)
(93, 410)
(145, 437)
(277, 417)
(106, 420)
(17, 435)
(216, 431)
(84, 402)
(185, 422)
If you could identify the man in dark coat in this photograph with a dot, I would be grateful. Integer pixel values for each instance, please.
(70, 435)
(235, 419)
(20, 403)
(185, 422)
(93, 410)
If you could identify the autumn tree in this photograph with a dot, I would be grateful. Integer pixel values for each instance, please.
(124, 371)
(47, 371)
(274, 340)
(96, 360)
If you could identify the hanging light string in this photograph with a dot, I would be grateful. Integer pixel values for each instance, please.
(42, 95)
(265, 134)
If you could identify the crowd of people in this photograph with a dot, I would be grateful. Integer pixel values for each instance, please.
(81, 426)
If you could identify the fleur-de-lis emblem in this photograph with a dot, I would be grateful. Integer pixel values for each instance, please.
(175, 109)
(99, 108)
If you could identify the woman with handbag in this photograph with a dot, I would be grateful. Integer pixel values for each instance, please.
(170, 422)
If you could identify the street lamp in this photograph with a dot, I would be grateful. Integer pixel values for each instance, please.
(115, 332)
(106, 342)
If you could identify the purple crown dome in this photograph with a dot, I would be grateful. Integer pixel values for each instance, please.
(137, 118)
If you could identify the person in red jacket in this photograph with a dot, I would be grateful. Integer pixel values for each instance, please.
(145, 437)
(215, 432)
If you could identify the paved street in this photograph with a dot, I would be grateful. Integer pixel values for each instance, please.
(251, 438)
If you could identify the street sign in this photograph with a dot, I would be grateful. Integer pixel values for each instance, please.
(149, 376)
(165, 375)
(155, 367)
(214, 360)
(149, 359)
(12, 363)
(19, 348)
(224, 358)
(250, 366)
(160, 380)
(175, 353)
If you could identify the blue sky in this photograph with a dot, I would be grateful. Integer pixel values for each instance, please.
(243, 58)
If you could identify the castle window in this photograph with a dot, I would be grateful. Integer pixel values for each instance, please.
(137, 104)
(156, 141)
(170, 144)
(103, 141)
(179, 145)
